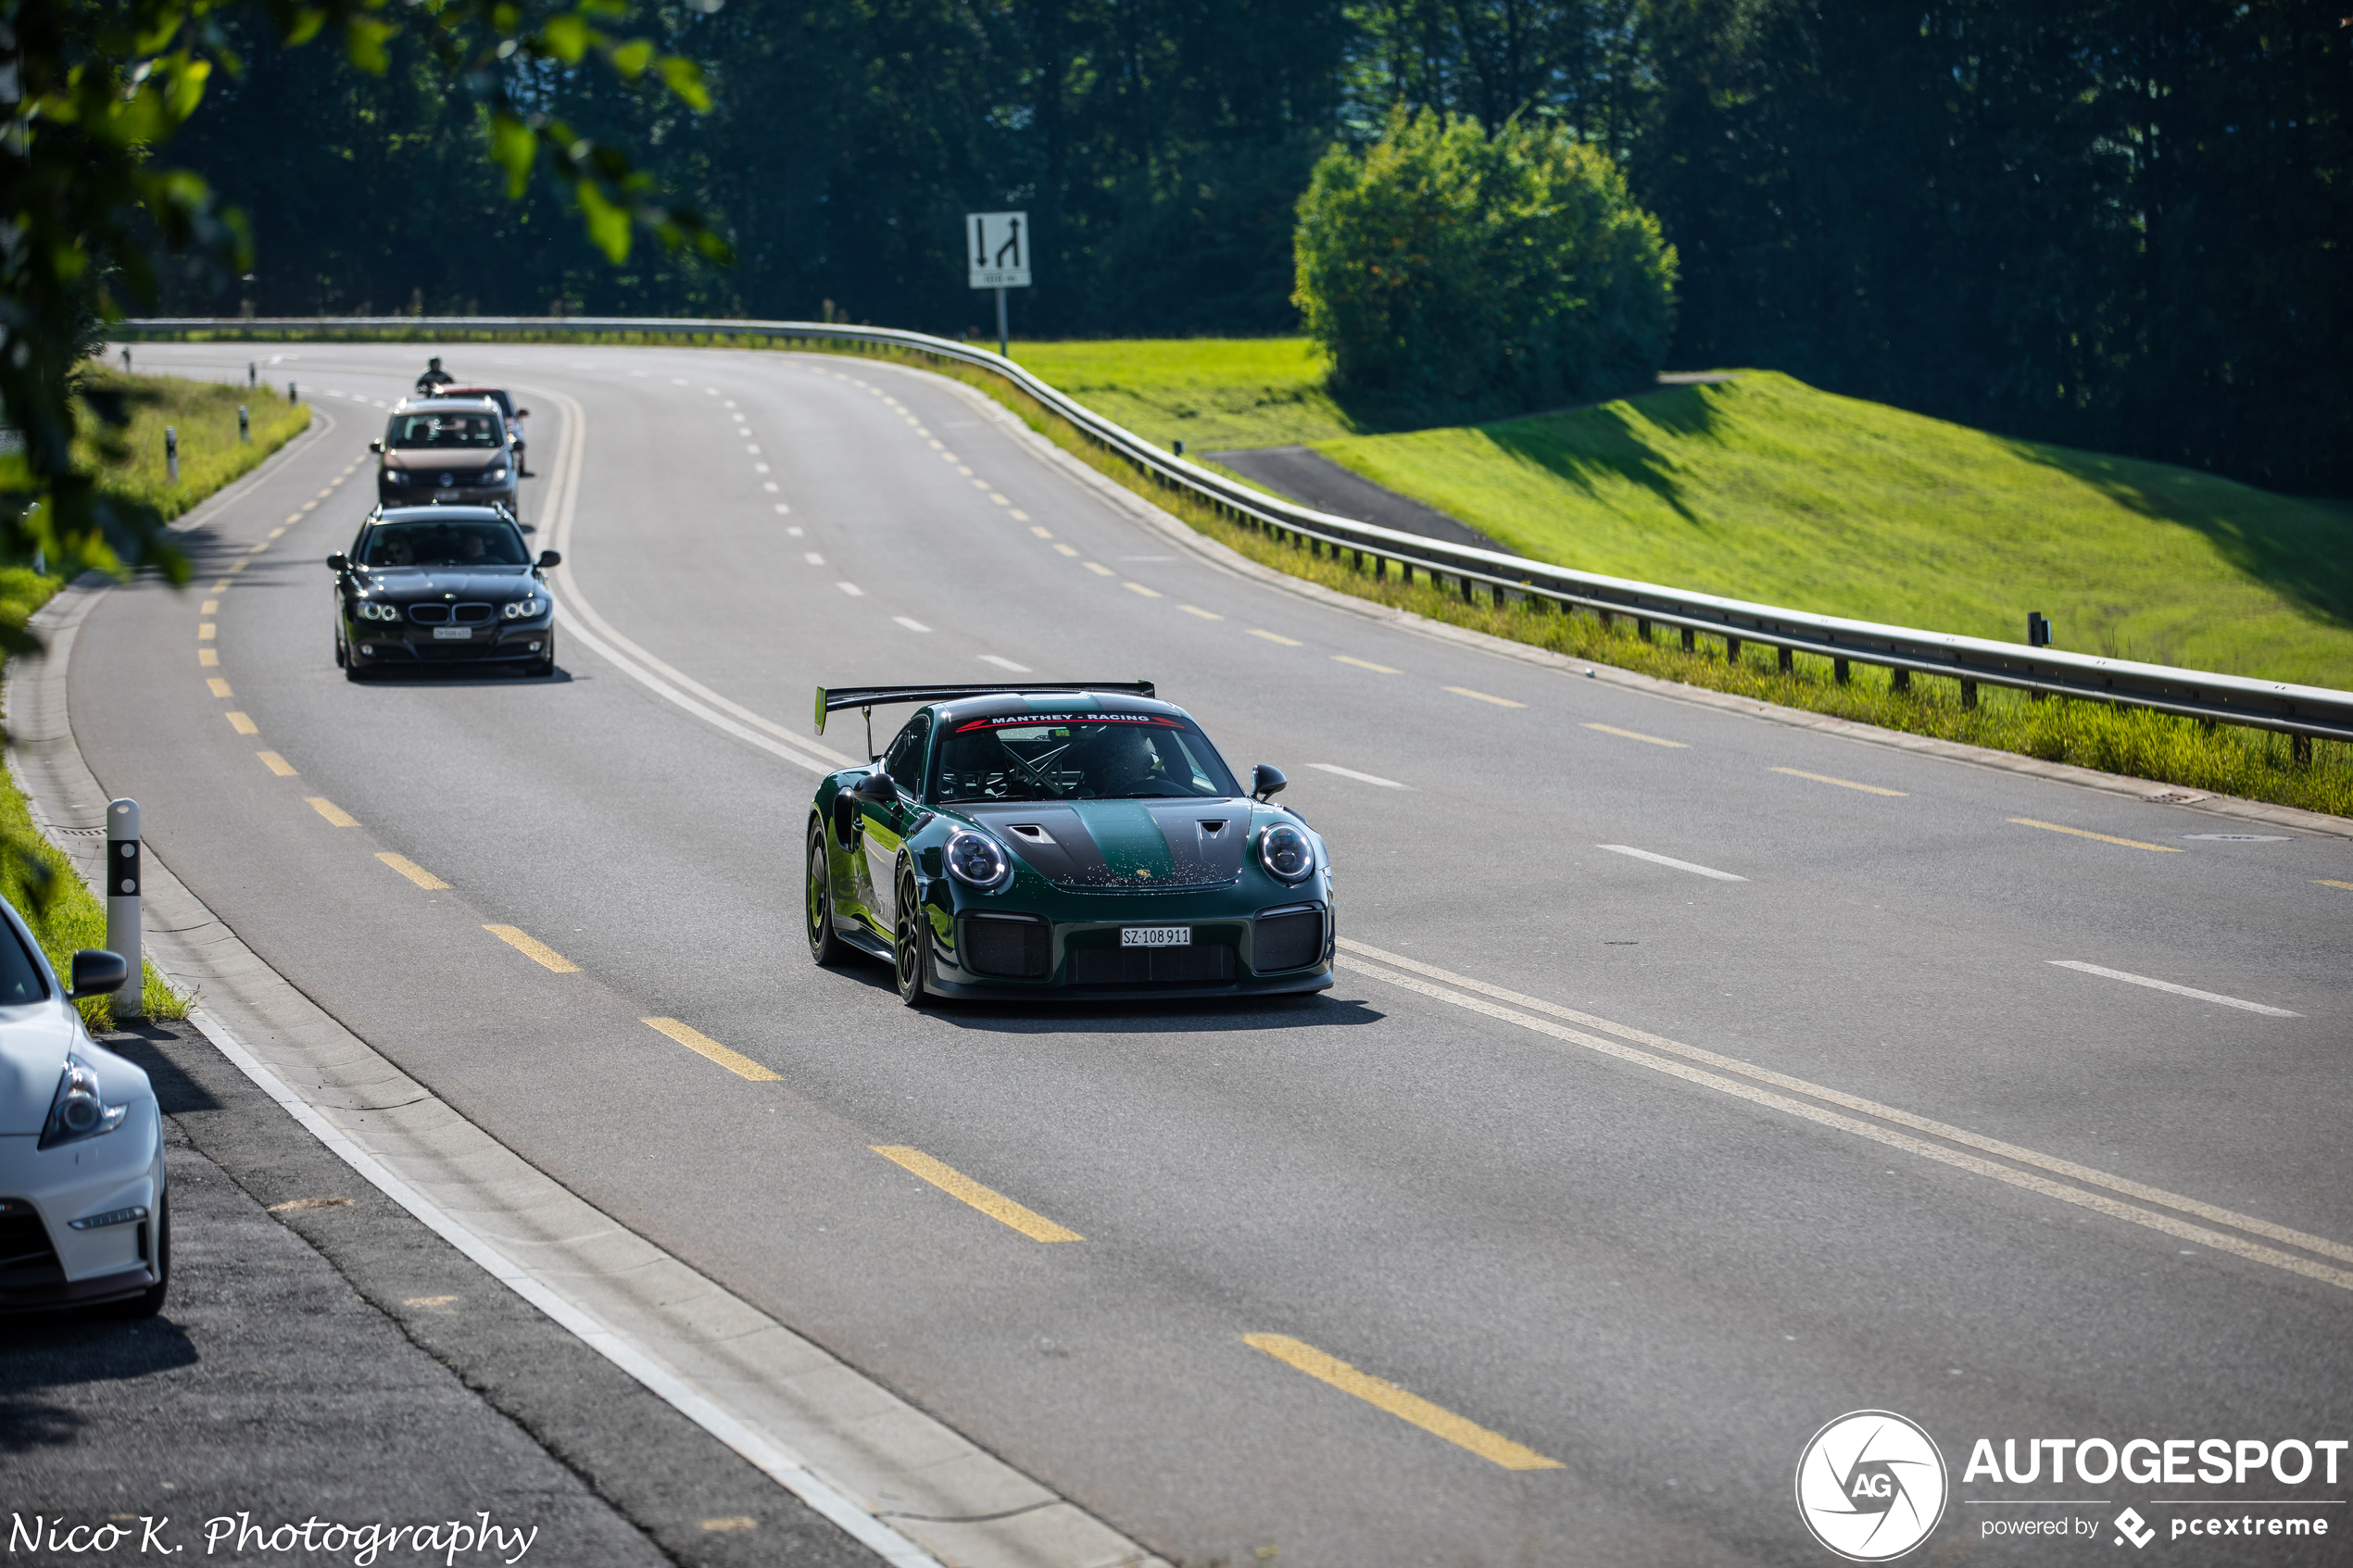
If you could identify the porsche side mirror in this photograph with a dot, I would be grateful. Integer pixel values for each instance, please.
(551, 557)
(376, 447)
(876, 785)
(338, 562)
(97, 972)
(1266, 782)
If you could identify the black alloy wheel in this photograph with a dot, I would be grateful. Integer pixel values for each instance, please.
(908, 950)
(825, 947)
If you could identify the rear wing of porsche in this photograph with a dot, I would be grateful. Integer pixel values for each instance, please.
(832, 699)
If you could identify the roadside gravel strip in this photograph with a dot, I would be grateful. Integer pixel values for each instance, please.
(900, 1484)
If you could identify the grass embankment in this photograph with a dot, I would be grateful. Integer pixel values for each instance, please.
(1211, 392)
(211, 455)
(205, 413)
(1766, 489)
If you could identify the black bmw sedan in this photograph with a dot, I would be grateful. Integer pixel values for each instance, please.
(442, 585)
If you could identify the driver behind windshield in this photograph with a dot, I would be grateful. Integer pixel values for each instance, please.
(1112, 759)
(445, 543)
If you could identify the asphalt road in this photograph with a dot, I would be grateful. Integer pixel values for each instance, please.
(1660, 1273)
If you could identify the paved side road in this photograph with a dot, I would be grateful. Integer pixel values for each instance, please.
(324, 1356)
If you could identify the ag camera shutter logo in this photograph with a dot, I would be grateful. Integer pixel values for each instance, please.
(1871, 1486)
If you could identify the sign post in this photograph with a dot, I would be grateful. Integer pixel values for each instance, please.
(999, 258)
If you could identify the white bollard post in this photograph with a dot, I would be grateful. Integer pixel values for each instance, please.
(172, 452)
(122, 901)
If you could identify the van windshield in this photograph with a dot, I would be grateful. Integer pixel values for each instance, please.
(445, 429)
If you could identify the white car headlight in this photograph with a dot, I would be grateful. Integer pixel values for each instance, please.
(79, 1109)
(493, 476)
(977, 858)
(524, 610)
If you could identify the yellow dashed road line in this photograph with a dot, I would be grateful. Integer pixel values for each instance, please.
(412, 871)
(1065, 549)
(994, 1204)
(1842, 784)
(704, 1045)
(219, 687)
(1278, 637)
(2324, 882)
(208, 659)
(1507, 702)
(1100, 569)
(1436, 1420)
(1041, 534)
(1139, 588)
(1204, 614)
(1366, 664)
(276, 764)
(1628, 735)
(207, 632)
(2103, 837)
(533, 949)
(211, 607)
(241, 725)
(333, 812)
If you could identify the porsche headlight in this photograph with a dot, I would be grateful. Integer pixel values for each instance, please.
(524, 610)
(976, 859)
(1286, 853)
(79, 1110)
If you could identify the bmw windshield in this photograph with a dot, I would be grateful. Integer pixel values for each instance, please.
(445, 543)
(1104, 757)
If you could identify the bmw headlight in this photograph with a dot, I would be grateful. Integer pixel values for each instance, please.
(1286, 853)
(79, 1110)
(524, 610)
(370, 610)
(976, 858)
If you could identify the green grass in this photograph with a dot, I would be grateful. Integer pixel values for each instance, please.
(1211, 393)
(1768, 490)
(205, 413)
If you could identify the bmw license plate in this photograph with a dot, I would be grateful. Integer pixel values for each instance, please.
(453, 633)
(1155, 935)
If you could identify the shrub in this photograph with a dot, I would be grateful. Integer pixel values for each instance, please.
(1444, 268)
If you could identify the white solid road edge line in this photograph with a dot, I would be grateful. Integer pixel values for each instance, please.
(2215, 996)
(1670, 860)
(772, 1460)
(1360, 778)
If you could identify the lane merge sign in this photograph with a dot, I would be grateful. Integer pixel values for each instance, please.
(996, 248)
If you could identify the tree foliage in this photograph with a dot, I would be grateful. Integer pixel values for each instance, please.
(1444, 268)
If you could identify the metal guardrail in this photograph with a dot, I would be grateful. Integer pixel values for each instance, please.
(2304, 712)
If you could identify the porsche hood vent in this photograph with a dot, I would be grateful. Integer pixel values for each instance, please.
(1137, 845)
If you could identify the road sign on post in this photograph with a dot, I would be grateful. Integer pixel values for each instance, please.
(997, 249)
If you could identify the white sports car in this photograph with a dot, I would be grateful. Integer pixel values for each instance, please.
(82, 1207)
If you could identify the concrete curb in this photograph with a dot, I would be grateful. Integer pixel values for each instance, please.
(899, 1481)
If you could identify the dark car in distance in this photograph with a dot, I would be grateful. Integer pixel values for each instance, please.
(442, 585)
(445, 450)
(512, 415)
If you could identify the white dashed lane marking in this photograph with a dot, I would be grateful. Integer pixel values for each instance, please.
(1670, 860)
(2191, 992)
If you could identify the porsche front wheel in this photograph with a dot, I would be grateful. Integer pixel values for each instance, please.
(908, 950)
(825, 947)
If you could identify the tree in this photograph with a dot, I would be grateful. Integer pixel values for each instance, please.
(1444, 270)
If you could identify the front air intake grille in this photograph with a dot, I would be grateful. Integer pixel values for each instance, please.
(1290, 940)
(474, 615)
(1009, 949)
(1208, 964)
(27, 1260)
(429, 615)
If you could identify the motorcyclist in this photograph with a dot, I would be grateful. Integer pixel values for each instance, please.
(435, 377)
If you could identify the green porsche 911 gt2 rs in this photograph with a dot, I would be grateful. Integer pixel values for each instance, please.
(1061, 841)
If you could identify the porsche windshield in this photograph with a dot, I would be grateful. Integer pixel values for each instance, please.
(1115, 756)
(443, 543)
(447, 429)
